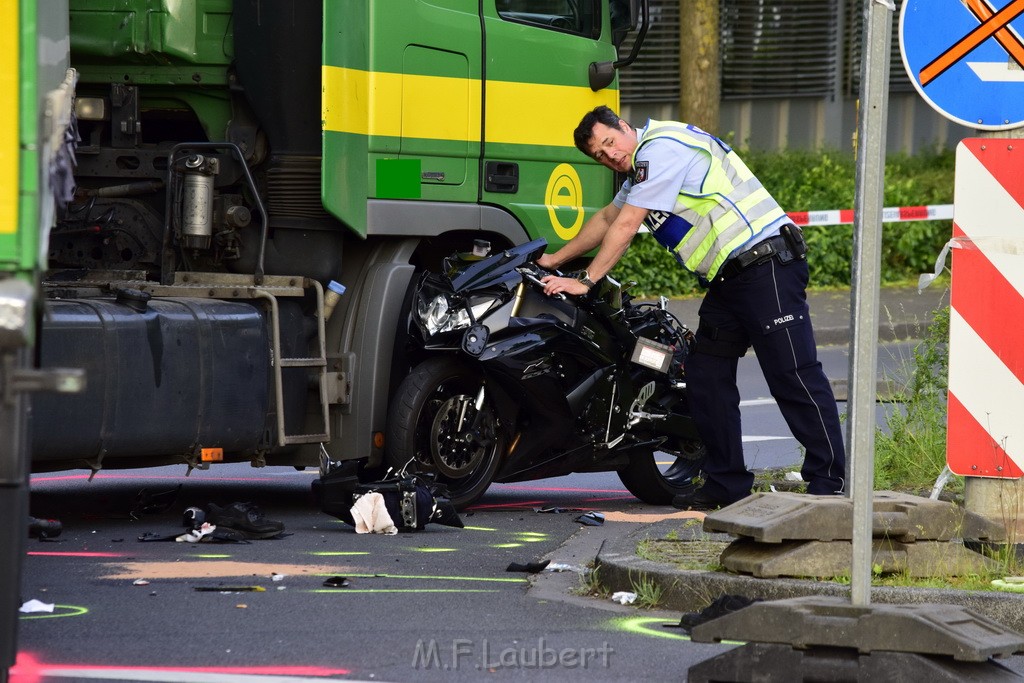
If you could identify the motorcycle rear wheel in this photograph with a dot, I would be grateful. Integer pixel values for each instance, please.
(647, 481)
(430, 424)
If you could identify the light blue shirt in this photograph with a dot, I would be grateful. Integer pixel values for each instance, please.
(671, 168)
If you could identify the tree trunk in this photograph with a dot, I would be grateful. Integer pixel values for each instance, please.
(699, 90)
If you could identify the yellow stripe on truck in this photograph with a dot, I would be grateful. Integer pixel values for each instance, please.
(9, 113)
(537, 114)
(370, 103)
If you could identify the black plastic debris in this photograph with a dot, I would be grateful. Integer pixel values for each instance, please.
(44, 529)
(529, 567)
(591, 519)
(555, 509)
(154, 502)
(724, 604)
(336, 582)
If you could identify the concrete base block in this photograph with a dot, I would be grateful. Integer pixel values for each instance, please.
(767, 663)
(814, 559)
(927, 629)
(1000, 501)
(777, 517)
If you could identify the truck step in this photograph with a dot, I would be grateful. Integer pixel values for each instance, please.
(303, 362)
(306, 438)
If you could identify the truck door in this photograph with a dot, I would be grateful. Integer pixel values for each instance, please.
(402, 96)
(535, 91)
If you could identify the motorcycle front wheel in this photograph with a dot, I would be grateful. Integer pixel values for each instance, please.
(434, 423)
(645, 479)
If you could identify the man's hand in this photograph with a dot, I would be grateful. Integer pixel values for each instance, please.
(548, 262)
(563, 285)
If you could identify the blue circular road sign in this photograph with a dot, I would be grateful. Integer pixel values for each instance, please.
(966, 59)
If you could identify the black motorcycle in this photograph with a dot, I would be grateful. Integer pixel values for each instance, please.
(510, 384)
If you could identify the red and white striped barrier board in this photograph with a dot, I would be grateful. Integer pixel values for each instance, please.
(890, 214)
(986, 336)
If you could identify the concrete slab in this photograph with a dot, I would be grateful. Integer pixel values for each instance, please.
(827, 560)
(931, 629)
(767, 662)
(783, 516)
(687, 590)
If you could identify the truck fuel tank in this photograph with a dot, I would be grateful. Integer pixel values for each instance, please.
(163, 378)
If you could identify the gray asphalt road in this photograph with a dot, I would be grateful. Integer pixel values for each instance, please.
(433, 605)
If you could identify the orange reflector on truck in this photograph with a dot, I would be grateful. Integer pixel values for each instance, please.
(211, 455)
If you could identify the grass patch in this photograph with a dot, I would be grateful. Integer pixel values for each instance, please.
(648, 592)
(687, 547)
(695, 555)
(910, 453)
(590, 583)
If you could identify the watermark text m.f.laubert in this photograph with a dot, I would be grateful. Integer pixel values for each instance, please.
(482, 655)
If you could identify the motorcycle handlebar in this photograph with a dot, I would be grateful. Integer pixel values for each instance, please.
(530, 275)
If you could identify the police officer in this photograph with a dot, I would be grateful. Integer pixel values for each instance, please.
(702, 203)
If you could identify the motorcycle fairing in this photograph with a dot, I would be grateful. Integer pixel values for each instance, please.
(493, 271)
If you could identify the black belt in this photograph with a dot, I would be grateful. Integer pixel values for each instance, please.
(756, 255)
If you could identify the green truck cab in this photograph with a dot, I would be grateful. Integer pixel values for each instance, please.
(237, 157)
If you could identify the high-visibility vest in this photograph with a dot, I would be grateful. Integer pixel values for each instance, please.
(731, 209)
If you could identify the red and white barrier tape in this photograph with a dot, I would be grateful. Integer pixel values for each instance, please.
(891, 214)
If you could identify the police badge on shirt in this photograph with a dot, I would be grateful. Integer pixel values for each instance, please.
(640, 172)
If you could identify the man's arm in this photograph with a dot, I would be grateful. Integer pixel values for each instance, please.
(615, 240)
(589, 237)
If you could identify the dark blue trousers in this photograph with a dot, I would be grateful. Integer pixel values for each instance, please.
(764, 306)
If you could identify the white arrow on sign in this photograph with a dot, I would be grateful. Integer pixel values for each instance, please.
(997, 71)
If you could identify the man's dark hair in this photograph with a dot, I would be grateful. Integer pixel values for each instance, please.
(584, 132)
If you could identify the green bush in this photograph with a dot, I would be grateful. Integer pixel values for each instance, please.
(817, 181)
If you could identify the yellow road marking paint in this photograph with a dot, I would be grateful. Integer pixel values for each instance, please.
(327, 553)
(439, 578)
(71, 611)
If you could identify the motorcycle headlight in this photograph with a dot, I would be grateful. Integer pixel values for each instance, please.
(439, 314)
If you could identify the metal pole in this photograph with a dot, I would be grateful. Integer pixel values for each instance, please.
(867, 249)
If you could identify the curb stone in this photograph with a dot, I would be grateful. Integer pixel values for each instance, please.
(692, 590)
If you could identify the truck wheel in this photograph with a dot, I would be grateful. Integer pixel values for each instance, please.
(434, 424)
(654, 486)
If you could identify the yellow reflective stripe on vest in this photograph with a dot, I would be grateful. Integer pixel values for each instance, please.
(732, 208)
